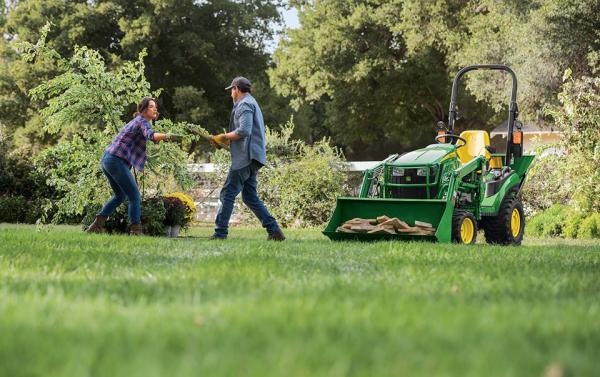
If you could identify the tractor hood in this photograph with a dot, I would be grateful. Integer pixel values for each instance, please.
(431, 154)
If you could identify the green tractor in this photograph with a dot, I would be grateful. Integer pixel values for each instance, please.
(457, 185)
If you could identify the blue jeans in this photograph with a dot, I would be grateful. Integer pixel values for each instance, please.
(123, 185)
(242, 180)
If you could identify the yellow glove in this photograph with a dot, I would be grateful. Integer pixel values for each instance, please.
(219, 140)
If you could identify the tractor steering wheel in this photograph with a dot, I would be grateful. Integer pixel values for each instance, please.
(451, 136)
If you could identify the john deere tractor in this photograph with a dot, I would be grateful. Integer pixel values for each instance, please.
(458, 185)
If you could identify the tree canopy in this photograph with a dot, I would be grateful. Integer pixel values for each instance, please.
(383, 68)
(194, 49)
(374, 76)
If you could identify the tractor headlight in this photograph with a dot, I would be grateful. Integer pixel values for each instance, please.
(397, 172)
(422, 172)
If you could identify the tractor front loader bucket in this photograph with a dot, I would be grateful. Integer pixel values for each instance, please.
(436, 212)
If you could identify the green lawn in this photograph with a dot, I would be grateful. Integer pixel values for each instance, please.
(87, 305)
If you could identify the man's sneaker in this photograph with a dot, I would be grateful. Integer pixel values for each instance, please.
(276, 236)
(217, 238)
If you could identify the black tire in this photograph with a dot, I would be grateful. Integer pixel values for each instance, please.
(459, 218)
(499, 229)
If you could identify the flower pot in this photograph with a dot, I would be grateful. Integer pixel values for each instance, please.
(175, 230)
(168, 230)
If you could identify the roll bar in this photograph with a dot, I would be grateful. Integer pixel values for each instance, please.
(513, 110)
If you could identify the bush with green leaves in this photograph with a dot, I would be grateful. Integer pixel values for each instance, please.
(25, 195)
(546, 184)
(153, 217)
(13, 209)
(578, 118)
(116, 223)
(16, 176)
(574, 176)
(590, 227)
(549, 223)
(572, 228)
(564, 221)
(300, 182)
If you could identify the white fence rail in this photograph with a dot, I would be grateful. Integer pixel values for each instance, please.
(353, 166)
(207, 198)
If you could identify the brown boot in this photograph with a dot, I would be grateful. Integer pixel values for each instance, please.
(98, 225)
(136, 230)
(276, 236)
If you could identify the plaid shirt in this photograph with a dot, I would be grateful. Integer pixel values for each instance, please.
(130, 143)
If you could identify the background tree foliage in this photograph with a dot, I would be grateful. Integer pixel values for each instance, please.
(194, 49)
(373, 77)
(578, 117)
(383, 68)
(379, 96)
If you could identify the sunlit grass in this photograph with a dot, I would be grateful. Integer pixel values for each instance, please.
(78, 304)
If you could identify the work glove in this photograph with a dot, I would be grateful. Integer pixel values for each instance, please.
(219, 141)
(174, 138)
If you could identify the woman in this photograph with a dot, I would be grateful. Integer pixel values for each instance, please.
(126, 150)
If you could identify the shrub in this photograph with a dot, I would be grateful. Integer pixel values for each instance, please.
(546, 184)
(564, 221)
(153, 217)
(314, 176)
(295, 174)
(13, 209)
(549, 223)
(574, 176)
(22, 186)
(573, 225)
(590, 227)
(116, 223)
(16, 177)
(578, 117)
(73, 169)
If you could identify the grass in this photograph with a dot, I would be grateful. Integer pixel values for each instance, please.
(73, 304)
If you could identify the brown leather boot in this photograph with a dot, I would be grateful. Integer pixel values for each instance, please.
(136, 230)
(276, 236)
(98, 225)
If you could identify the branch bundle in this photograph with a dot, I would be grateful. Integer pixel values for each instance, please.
(386, 225)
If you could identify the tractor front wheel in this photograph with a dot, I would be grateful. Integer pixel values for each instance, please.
(464, 227)
(508, 226)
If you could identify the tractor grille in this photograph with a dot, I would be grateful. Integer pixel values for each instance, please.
(410, 177)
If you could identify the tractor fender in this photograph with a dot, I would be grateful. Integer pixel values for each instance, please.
(491, 205)
(492, 187)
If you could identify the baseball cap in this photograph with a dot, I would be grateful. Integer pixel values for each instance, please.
(240, 82)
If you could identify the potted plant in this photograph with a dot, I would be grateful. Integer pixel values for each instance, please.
(189, 205)
(174, 217)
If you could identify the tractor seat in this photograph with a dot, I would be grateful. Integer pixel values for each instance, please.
(477, 141)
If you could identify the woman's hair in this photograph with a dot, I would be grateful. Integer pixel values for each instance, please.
(143, 105)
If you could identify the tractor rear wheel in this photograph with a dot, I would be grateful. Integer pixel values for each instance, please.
(508, 227)
(464, 227)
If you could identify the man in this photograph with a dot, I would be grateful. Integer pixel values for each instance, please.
(246, 138)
